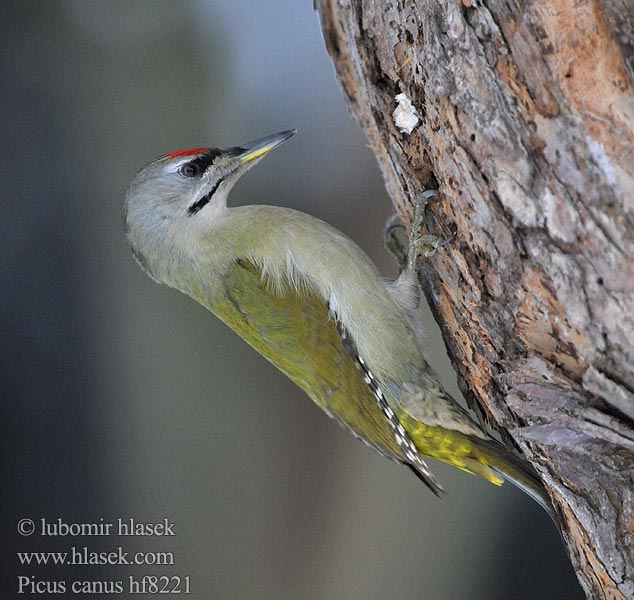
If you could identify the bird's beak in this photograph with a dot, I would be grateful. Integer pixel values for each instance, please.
(258, 148)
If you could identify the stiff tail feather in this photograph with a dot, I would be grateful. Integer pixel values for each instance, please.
(519, 472)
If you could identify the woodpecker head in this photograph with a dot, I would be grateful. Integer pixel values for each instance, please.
(185, 190)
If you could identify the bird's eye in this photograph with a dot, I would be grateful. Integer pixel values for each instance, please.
(190, 169)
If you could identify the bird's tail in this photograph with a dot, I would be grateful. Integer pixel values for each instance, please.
(517, 471)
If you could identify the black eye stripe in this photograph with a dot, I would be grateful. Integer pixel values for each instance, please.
(200, 203)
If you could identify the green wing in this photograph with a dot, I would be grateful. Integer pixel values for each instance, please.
(294, 330)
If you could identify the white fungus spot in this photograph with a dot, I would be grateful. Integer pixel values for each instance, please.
(405, 115)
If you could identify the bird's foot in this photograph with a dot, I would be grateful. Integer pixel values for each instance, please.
(423, 244)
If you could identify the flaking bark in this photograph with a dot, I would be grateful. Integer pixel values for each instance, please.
(527, 129)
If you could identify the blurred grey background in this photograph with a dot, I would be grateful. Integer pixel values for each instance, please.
(124, 399)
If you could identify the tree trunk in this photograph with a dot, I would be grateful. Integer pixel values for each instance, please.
(527, 129)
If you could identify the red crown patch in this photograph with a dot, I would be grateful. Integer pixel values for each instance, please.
(186, 152)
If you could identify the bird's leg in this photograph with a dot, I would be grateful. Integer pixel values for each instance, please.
(422, 244)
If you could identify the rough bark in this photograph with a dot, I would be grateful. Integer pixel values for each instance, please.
(527, 129)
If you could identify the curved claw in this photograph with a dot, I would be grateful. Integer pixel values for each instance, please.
(391, 240)
(394, 221)
(436, 244)
(427, 194)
